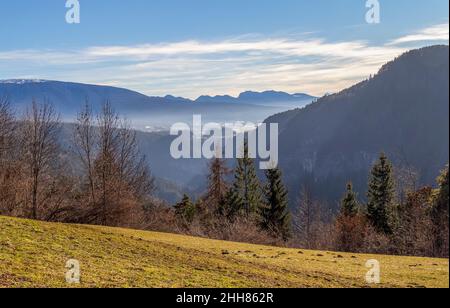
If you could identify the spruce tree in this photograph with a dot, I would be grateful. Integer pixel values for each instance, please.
(381, 195)
(349, 204)
(245, 198)
(275, 214)
(185, 209)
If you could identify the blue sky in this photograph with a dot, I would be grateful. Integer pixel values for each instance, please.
(193, 47)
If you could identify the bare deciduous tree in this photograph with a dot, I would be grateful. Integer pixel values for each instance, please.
(9, 170)
(117, 174)
(413, 231)
(406, 181)
(40, 149)
(133, 167)
(84, 141)
(303, 218)
(311, 224)
(7, 126)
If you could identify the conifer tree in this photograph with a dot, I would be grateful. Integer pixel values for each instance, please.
(381, 195)
(217, 186)
(350, 224)
(275, 214)
(245, 197)
(185, 209)
(349, 204)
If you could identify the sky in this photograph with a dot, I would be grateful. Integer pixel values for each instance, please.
(212, 47)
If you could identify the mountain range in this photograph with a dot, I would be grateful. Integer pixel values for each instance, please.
(266, 98)
(152, 116)
(150, 112)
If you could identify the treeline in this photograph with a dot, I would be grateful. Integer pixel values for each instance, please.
(243, 210)
(101, 178)
(398, 218)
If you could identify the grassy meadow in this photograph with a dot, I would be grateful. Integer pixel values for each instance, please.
(34, 254)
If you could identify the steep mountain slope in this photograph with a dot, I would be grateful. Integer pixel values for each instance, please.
(34, 254)
(403, 111)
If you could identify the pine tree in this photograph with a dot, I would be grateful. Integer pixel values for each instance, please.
(217, 186)
(185, 209)
(381, 195)
(245, 197)
(349, 204)
(275, 214)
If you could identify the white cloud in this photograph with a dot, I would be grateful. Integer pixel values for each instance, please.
(192, 68)
(434, 33)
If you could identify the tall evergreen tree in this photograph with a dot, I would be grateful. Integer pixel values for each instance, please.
(349, 204)
(185, 209)
(275, 214)
(350, 224)
(381, 195)
(217, 186)
(246, 191)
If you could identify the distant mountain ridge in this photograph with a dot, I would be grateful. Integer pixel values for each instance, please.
(262, 98)
(147, 112)
(66, 96)
(9, 86)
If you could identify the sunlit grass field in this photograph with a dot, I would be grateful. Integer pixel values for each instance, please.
(34, 254)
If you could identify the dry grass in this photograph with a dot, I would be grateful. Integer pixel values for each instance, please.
(34, 254)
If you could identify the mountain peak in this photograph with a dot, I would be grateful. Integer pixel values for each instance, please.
(430, 56)
(269, 97)
(270, 94)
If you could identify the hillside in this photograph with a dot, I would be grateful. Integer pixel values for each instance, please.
(403, 111)
(34, 254)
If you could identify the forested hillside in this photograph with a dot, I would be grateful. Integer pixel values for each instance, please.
(402, 111)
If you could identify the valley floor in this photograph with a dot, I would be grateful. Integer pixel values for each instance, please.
(34, 254)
